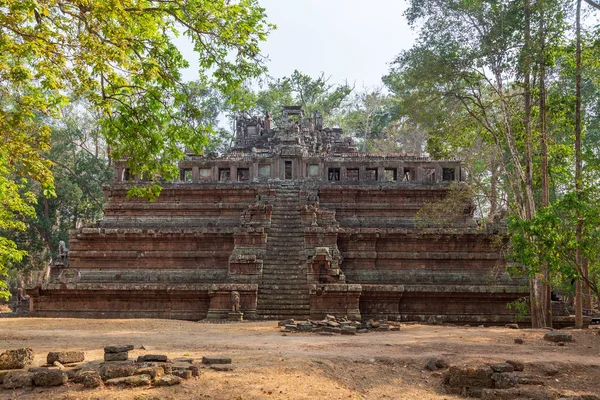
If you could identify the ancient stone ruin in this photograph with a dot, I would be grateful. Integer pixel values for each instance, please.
(293, 223)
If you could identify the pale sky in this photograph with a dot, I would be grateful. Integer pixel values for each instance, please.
(352, 40)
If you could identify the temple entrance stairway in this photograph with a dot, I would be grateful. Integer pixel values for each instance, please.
(284, 293)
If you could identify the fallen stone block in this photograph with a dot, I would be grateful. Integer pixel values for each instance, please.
(469, 377)
(394, 328)
(89, 379)
(286, 322)
(383, 327)
(135, 380)
(326, 333)
(216, 360)
(504, 367)
(512, 326)
(430, 365)
(504, 380)
(558, 337)
(183, 374)
(65, 357)
(6, 371)
(221, 367)
(305, 327)
(441, 363)
(123, 356)
(116, 371)
(349, 330)
(49, 377)
(154, 372)
(17, 379)
(549, 369)
(290, 328)
(362, 331)
(153, 358)
(167, 380)
(118, 349)
(195, 370)
(16, 359)
(519, 341)
(517, 365)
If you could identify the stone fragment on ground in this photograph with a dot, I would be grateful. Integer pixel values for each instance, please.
(17, 379)
(216, 360)
(153, 358)
(558, 337)
(89, 379)
(504, 380)
(134, 380)
(122, 356)
(468, 380)
(65, 357)
(549, 369)
(108, 371)
(16, 359)
(118, 348)
(221, 367)
(286, 322)
(435, 363)
(195, 370)
(512, 326)
(503, 367)
(519, 341)
(348, 330)
(517, 365)
(154, 372)
(183, 374)
(167, 380)
(49, 377)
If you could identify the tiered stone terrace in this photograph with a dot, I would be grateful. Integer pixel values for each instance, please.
(297, 222)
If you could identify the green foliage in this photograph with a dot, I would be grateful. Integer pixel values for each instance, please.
(313, 94)
(555, 238)
(119, 56)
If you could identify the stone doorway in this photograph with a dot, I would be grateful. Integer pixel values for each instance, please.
(288, 170)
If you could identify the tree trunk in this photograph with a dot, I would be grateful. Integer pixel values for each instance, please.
(537, 292)
(544, 150)
(578, 171)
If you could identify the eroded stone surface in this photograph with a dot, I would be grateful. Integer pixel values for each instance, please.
(65, 357)
(17, 379)
(49, 377)
(216, 360)
(16, 359)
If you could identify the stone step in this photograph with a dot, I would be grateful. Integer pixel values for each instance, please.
(298, 296)
(275, 299)
(279, 317)
(278, 271)
(287, 288)
(278, 308)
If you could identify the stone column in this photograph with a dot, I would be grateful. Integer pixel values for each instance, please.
(195, 174)
(380, 174)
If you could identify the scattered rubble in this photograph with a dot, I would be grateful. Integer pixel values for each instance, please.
(558, 337)
(116, 369)
(331, 325)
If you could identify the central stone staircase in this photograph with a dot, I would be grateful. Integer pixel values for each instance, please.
(284, 293)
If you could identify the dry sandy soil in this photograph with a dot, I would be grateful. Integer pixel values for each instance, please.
(267, 364)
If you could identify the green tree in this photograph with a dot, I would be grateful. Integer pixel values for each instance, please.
(118, 55)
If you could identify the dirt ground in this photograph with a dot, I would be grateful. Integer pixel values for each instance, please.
(267, 364)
